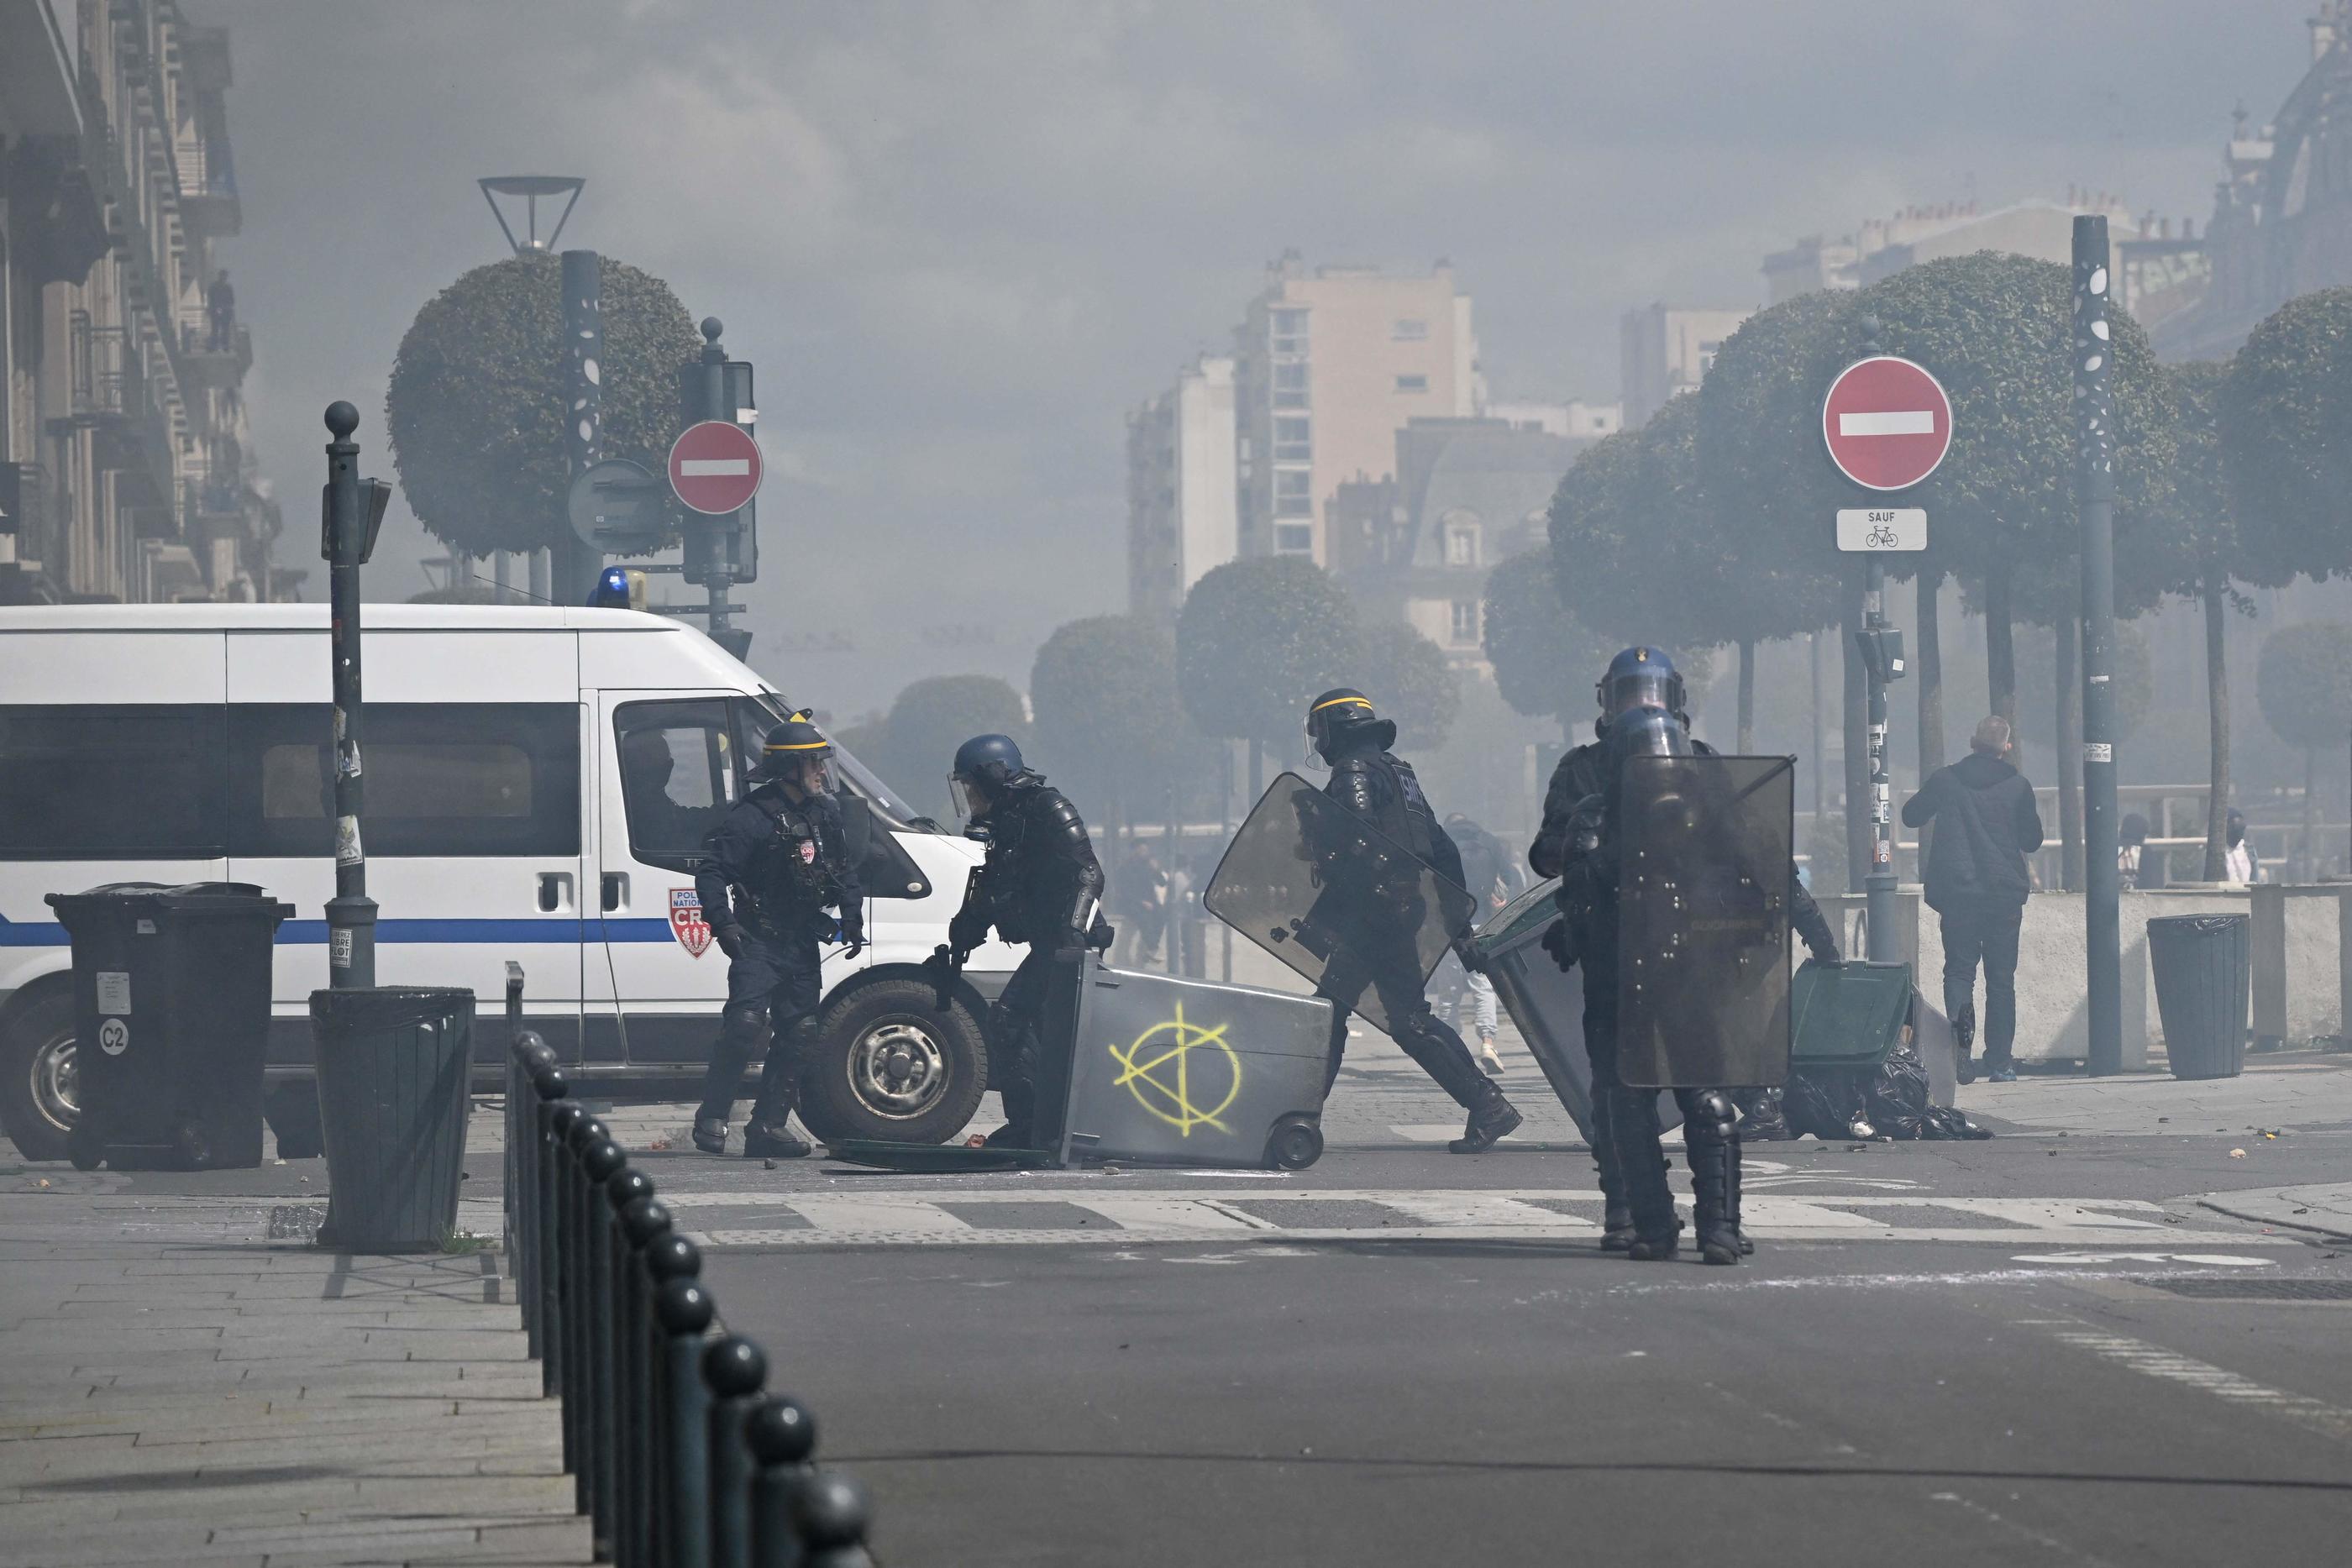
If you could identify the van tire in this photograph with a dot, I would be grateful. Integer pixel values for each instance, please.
(888, 1026)
(36, 1045)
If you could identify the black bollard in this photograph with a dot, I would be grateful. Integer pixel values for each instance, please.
(683, 1313)
(626, 1189)
(643, 1223)
(734, 1368)
(832, 1512)
(599, 1164)
(530, 1059)
(782, 1434)
(563, 1115)
(572, 1247)
(549, 1088)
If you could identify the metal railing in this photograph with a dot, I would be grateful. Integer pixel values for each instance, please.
(681, 1458)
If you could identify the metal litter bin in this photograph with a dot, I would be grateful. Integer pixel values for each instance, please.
(171, 1009)
(2203, 969)
(394, 1063)
(1546, 1004)
(1173, 1071)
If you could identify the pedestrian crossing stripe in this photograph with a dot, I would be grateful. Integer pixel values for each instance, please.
(1039, 1214)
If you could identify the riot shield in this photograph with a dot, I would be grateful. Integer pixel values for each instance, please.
(1335, 898)
(1704, 879)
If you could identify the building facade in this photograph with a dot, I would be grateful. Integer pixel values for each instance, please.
(125, 466)
(1182, 503)
(1328, 364)
(2040, 228)
(1663, 351)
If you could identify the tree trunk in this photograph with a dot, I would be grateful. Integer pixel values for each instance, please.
(2217, 708)
(1748, 696)
(2069, 730)
(1857, 742)
(1818, 758)
(2001, 655)
(1257, 771)
(1929, 659)
(2310, 871)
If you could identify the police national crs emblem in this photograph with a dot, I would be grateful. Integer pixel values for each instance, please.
(686, 920)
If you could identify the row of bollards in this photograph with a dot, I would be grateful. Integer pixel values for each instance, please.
(680, 1458)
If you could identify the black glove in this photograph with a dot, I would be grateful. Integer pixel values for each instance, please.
(853, 943)
(967, 930)
(1102, 935)
(730, 938)
(1561, 944)
(1466, 949)
(1825, 953)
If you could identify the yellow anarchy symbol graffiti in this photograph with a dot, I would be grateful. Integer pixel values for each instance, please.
(1158, 1073)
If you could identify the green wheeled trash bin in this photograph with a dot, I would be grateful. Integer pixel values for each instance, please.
(393, 1065)
(2203, 966)
(170, 1012)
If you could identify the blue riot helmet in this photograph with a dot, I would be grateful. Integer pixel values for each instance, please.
(1342, 719)
(1647, 731)
(1637, 679)
(983, 766)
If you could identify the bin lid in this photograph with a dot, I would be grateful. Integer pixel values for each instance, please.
(363, 1009)
(199, 897)
(1519, 920)
(936, 1158)
(1849, 1016)
(2196, 925)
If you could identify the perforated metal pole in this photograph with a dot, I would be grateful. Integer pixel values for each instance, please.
(2095, 488)
(350, 913)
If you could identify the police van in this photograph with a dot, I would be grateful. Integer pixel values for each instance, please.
(539, 782)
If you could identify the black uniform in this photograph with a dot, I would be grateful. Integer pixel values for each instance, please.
(774, 869)
(1381, 789)
(1625, 1132)
(1040, 885)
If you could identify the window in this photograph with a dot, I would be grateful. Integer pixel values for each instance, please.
(1294, 538)
(1415, 384)
(1290, 386)
(1293, 439)
(84, 783)
(458, 779)
(1286, 331)
(1404, 329)
(1293, 493)
(1463, 624)
(757, 716)
(1462, 544)
(679, 773)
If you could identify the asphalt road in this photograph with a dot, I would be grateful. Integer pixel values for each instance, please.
(2018, 1398)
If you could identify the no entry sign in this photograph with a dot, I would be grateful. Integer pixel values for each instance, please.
(1887, 423)
(715, 466)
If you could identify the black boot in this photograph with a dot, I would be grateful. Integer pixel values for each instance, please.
(1964, 1039)
(710, 1134)
(1713, 1146)
(1616, 1217)
(1633, 1126)
(1492, 1117)
(772, 1139)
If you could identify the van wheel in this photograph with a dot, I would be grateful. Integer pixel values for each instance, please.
(40, 1092)
(889, 1065)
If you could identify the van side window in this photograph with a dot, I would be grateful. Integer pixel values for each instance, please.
(680, 770)
(457, 780)
(92, 783)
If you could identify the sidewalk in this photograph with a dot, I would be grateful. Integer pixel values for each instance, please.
(197, 1396)
(2297, 1090)
(2323, 1208)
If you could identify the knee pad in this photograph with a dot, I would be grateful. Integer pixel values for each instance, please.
(1716, 1112)
(745, 1021)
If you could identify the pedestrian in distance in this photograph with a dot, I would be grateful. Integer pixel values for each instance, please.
(1491, 878)
(1040, 885)
(1371, 782)
(2239, 863)
(1975, 881)
(1138, 897)
(776, 882)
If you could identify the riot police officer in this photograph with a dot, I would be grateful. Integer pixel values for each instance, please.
(774, 866)
(1041, 885)
(1382, 954)
(1640, 690)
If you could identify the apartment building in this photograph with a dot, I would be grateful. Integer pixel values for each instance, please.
(1182, 506)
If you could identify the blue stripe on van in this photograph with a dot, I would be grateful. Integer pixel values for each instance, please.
(313, 933)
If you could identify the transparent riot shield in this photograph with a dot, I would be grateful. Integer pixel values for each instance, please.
(1703, 880)
(1335, 898)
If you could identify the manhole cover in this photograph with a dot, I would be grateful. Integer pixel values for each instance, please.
(2257, 1289)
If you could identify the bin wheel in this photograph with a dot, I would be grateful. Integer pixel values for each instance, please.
(1294, 1146)
(195, 1153)
(85, 1148)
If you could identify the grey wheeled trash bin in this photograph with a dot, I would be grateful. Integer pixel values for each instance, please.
(171, 1008)
(2204, 979)
(394, 1063)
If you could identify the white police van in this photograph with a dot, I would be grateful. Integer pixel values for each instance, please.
(538, 782)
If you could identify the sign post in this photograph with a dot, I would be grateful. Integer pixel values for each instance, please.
(2095, 490)
(350, 511)
(722, 546)
(1886, 424)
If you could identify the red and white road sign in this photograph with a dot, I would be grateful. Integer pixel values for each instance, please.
(715, 466)
(1887, 423)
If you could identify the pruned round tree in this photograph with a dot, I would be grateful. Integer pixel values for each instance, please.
(2286, 417)
(928, 719)
(1110, 724)
(1409, 681)
(479, 391)
(1545, 659)
(1255, 640)
(2302, 680)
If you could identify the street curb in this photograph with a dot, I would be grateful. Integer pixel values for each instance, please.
(2250, 1213)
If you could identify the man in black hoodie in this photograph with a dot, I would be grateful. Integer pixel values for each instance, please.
(1986, 824)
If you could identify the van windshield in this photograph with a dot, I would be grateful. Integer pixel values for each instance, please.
(862, 780)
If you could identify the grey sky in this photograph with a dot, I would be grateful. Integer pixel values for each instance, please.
(961, 240)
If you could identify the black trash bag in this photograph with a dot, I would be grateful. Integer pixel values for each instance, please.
(1943, 1122)
(1823, 1103)
(1895, 1096)
(1761, 1120)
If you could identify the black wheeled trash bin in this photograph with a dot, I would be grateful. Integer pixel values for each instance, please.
(171, 1010)
(393, 1067)
(2204, 979)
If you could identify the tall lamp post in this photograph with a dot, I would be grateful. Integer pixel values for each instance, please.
(2095, 425)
